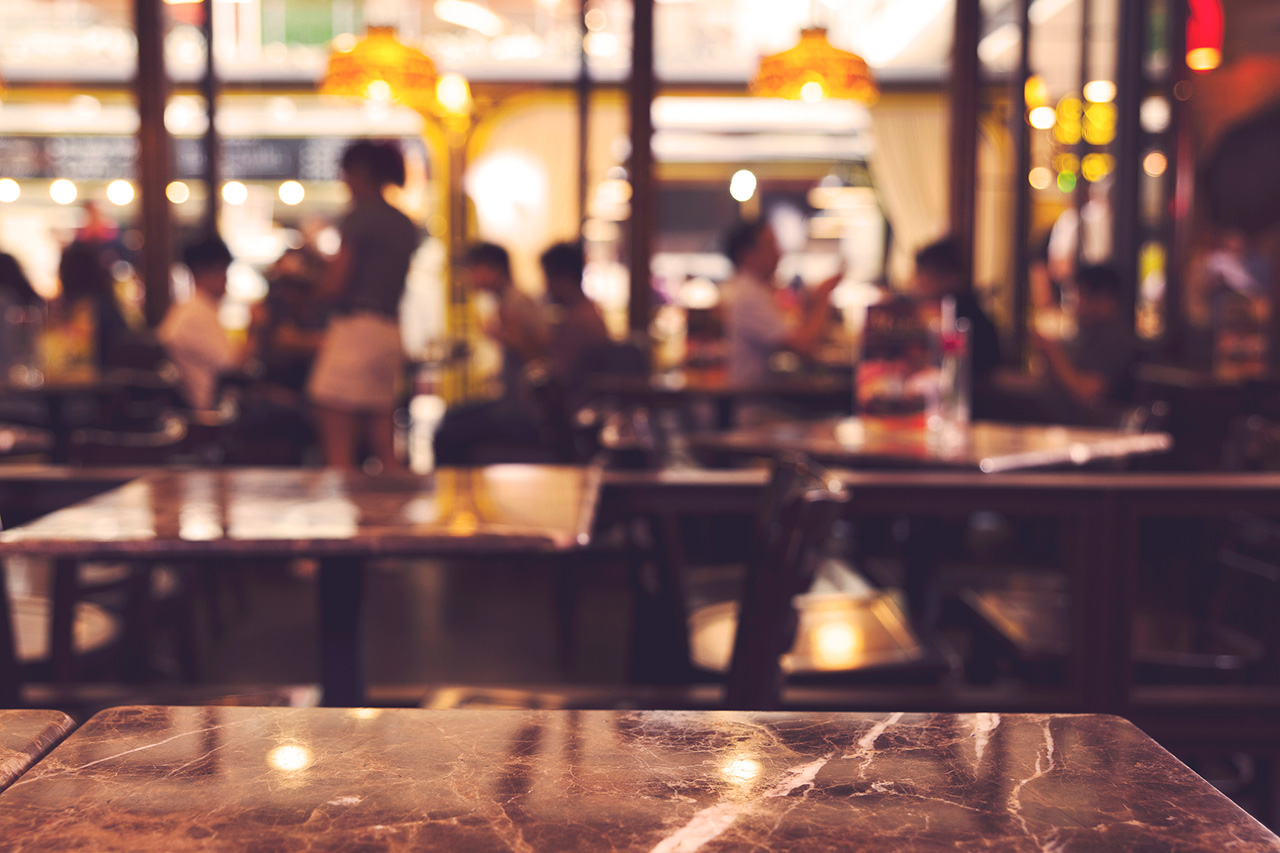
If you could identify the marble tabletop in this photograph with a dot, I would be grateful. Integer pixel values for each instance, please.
(142, 779)
(25, 736)
(176, 512)
(985, 446)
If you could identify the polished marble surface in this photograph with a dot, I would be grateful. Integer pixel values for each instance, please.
(24, 737)
(142, 779)
(985, 445)
(319, 512)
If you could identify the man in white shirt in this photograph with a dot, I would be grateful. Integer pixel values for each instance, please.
(191, 334)
(753, 322)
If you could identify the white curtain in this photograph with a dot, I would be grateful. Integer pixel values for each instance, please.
(909, 169)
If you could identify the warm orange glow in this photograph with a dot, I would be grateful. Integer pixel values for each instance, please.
(1204, 58)
(380, 67)
(1036, 91)
(813, 70)
(1205, 26)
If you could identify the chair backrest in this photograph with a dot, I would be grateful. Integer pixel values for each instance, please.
(1245, 598)
(154, 446)
(796, 513)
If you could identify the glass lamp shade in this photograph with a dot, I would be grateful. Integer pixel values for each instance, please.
(814, 70)
(380, 67)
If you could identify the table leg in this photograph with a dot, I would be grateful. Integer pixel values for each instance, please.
(10, 679)
(342, 672)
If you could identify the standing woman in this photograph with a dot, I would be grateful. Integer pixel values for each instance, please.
(353, 383)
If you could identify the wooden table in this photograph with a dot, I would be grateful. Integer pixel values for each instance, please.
(987, 446)
(833, 392)
(25, 736)
(176, 779)
(341, 519)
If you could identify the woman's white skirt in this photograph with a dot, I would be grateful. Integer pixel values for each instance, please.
(359, 364)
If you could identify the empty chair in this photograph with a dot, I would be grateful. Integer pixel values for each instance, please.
(1223, 631)
(154, 445)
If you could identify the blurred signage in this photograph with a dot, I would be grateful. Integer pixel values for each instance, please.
(89, 158)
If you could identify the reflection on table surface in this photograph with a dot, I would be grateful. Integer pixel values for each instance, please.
(985, 445)
(25, 735)
(214, 511)
(337, 779)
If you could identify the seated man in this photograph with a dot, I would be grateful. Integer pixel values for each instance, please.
(581, 332)
(1088, 376)
(191, 334)
(753, 322)
(518, 326)
(941, 272)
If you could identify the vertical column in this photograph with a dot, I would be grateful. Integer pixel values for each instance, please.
(963, 98)
(584, 117)
(1081, 195)
(212, 148)
(1131, 48)
(1180, 185)
(154, 155)
(643, 183)
(1020, 132)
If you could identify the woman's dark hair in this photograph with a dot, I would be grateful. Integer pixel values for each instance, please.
(742, 238)
(82, 274)
(381, 160)
(15, 281)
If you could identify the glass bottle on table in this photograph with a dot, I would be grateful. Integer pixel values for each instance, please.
(950, 423)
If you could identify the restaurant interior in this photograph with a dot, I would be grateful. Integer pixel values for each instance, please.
(639, 424)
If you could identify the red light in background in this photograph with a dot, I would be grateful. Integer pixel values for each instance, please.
(1204, 35)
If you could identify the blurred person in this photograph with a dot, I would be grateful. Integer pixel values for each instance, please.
(191, 334)
(580, 332)
(20, 312)
(289, 324)
(942, 272)
(1088, 376)
(353, 383)
(519, 326)
(484, 431)
(86, 313)
(753, 320)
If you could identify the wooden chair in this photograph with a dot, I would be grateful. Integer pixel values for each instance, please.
(1223, 631)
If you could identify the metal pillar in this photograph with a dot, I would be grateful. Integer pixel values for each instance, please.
(643, 183)
(583, 93)
(1130, 48)
(212, 145)
(1020, 132)
(963, 97)
(154, 158)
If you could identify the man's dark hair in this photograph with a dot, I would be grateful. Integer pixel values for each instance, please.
(207, 253)
(488, 255)
(564, 260)
(943, 257)
(382, 160)
(742, 238)
(1099, 280)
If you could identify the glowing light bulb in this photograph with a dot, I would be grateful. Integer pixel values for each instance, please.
(9, 190)
(291, 192)
(812, 92)
(1042, 118)
(234, 192)
(742, 186)
(177, 192)
(63, 191)
(120, 193)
